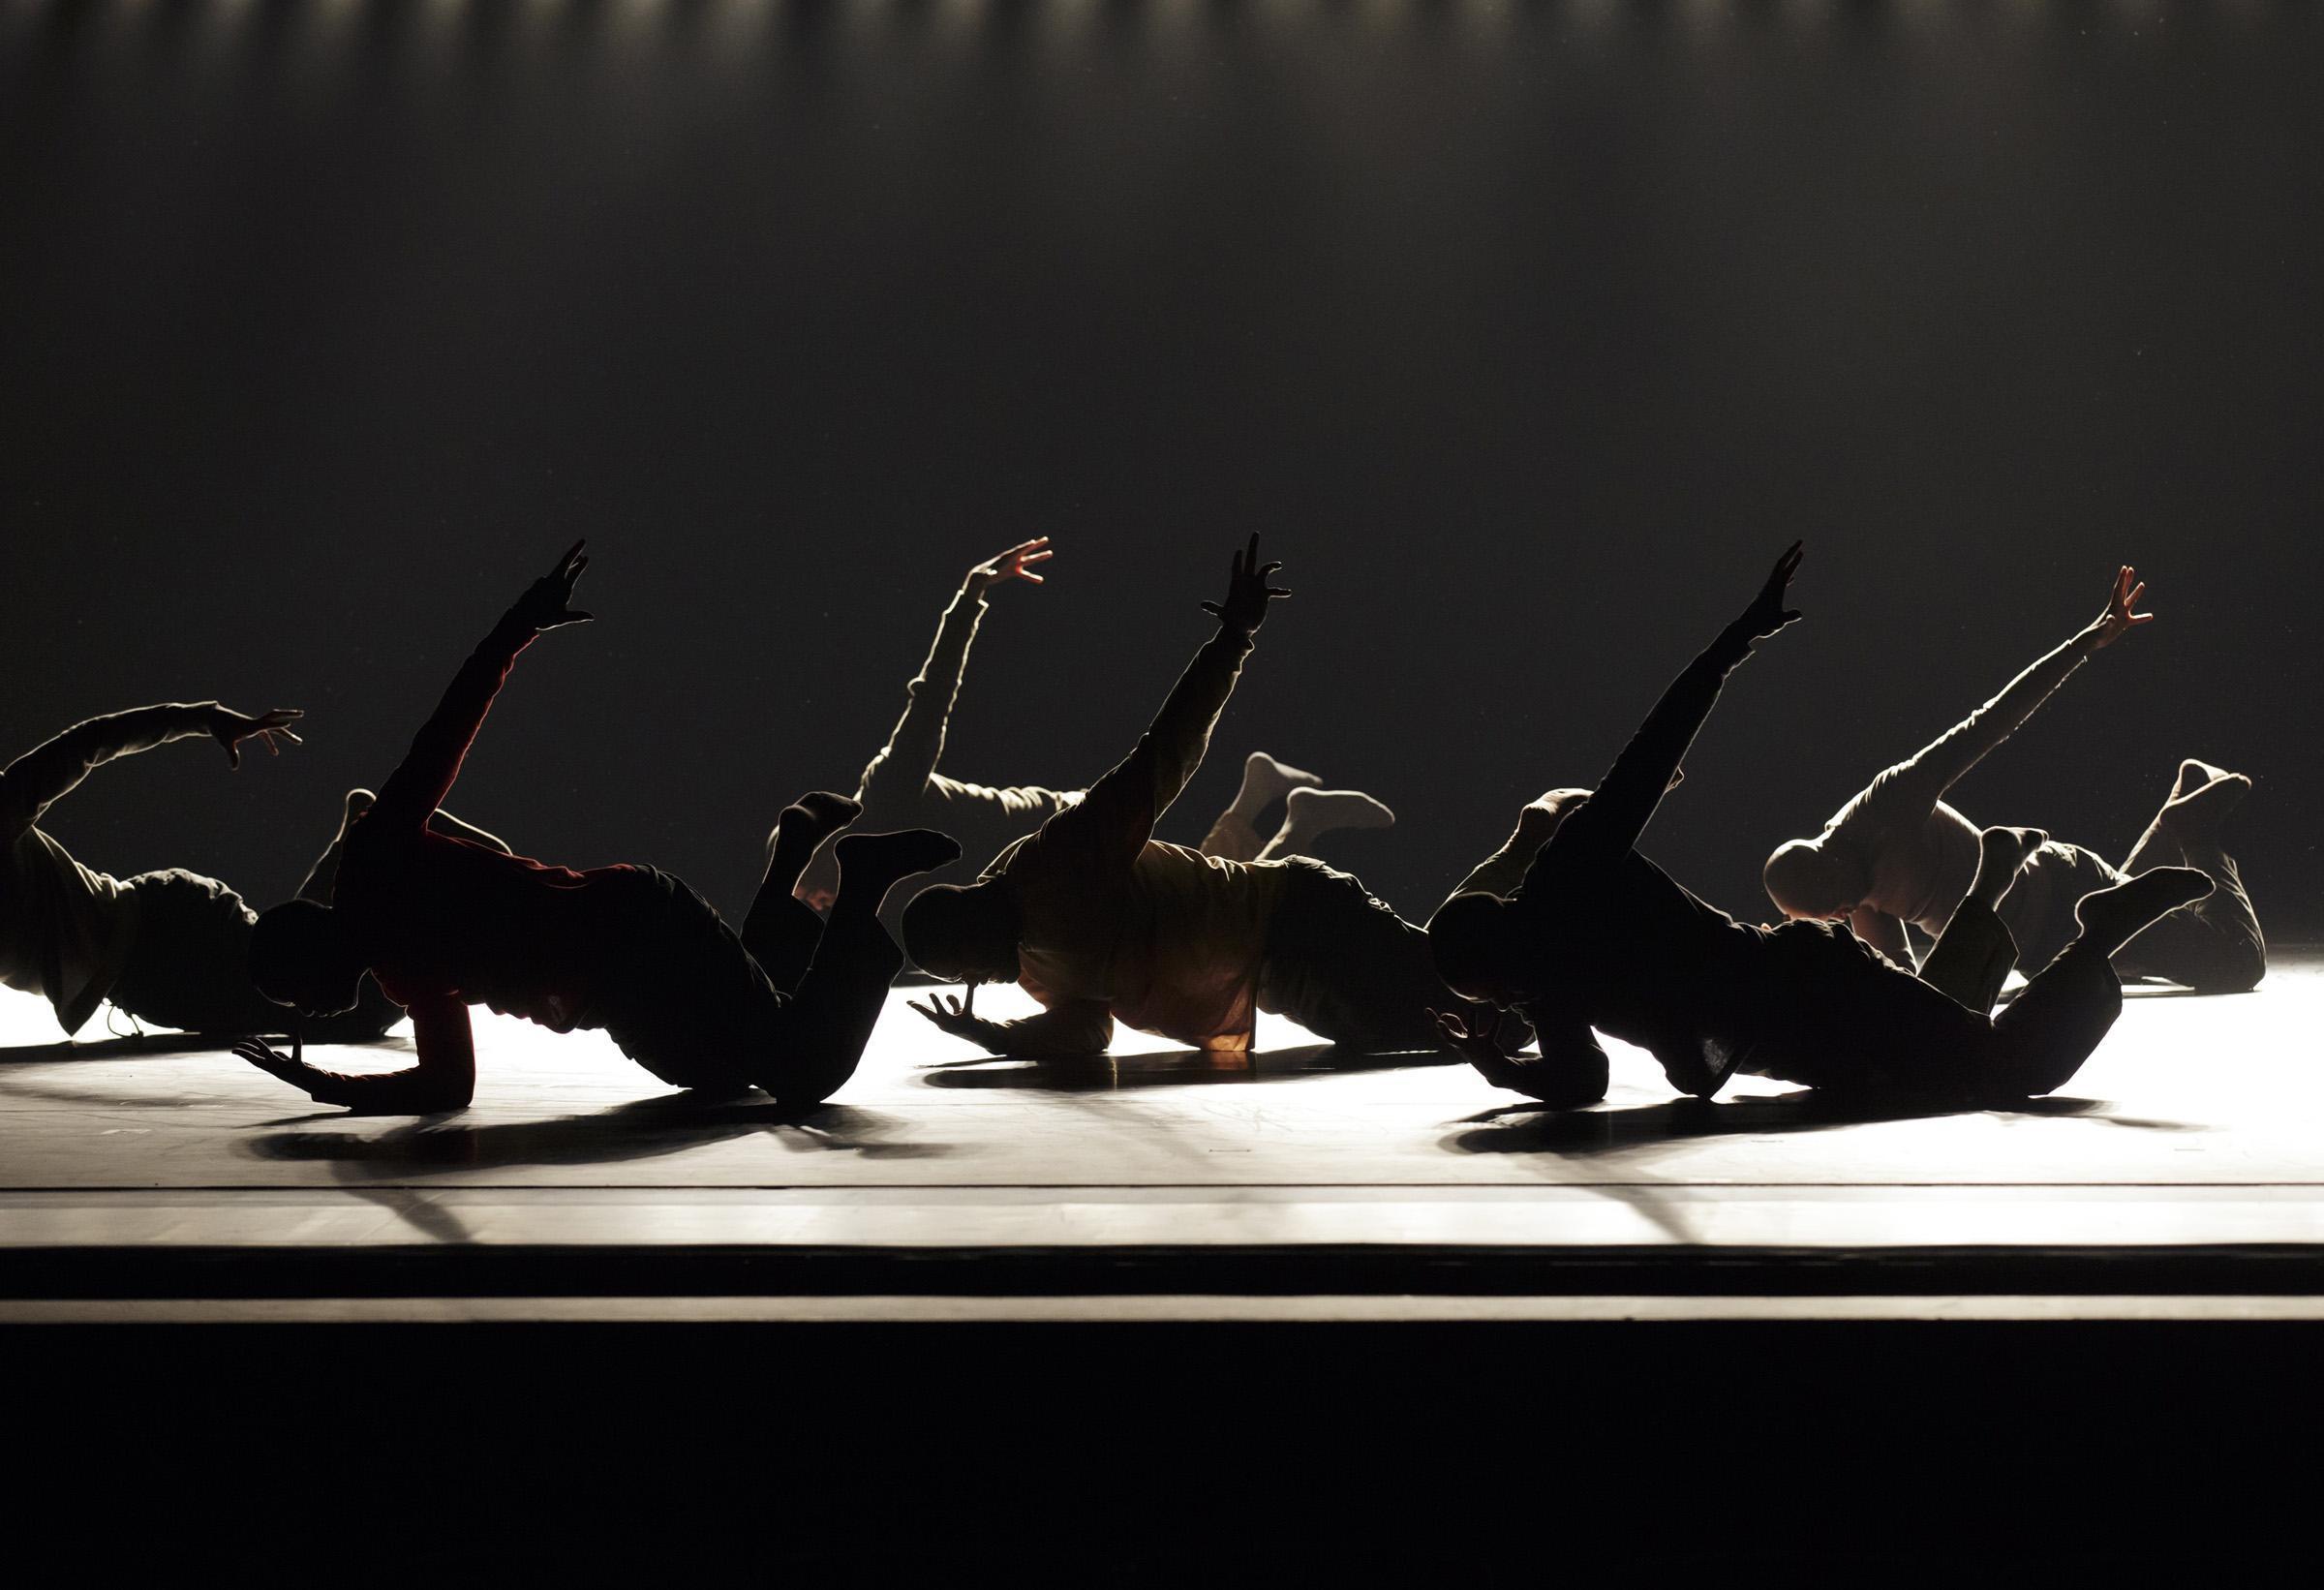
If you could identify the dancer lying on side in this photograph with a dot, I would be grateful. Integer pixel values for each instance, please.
(1101, 922)
(1597, 937)
(1898, 854)
(1279, 812)
(172, 947)
(446, 923)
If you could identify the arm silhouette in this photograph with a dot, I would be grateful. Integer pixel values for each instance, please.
(418, 787)
(1616, 813)
(41, 777)
(1909, 791)
(443, 1078)
(1117, 816)
(909, 761)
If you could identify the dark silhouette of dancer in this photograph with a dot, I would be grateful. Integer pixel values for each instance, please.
(901, 788)
(1101, 922)
(170, 947)
(1898, 854)
(1597, 937)
(446, 923)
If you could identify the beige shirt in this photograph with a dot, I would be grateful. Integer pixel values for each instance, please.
(66, 928)
(1175, 948)
(1113, 924)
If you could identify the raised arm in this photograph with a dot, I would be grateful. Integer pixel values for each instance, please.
(909, 759)
(1916, 784)
(46, 774)
(1117, 816)
(429, 769)
(442, 1078)
(1611, 822)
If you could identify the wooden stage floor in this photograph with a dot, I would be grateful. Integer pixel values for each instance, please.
(2176, 1177)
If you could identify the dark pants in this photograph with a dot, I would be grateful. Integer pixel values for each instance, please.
(1843, 1018)
(1346, 967)
(189, 967)
(2213, 946)
(786, 1005)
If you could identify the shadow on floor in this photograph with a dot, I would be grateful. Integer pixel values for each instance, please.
(640, 1129)
(1530, 1130)
(153, 1047)
(1168, 1068)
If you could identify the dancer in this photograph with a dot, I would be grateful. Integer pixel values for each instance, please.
(1101, 922)
(1898, 854)
(446, 923)
(1597, 937)
(170, 947)
(901, 786)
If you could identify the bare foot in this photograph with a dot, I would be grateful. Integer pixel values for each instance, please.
(2113, 917)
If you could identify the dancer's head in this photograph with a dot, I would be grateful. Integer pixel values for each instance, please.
(299, 957)
(1476, 955)
(1809, 880)
(968, 933)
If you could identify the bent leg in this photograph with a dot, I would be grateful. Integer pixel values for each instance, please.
(1240, 832)
(1853, 1022)
(2213, 946)
(782, 931)
(817, 1036)
(1972, 957)
(2041, 1040)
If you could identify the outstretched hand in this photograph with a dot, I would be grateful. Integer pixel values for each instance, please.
(547, 603)
(956, 1014)
(1767, 615)
(1247, 592)
(279, 1066)
(229, 728)
(1015, 564)
(2120, 617)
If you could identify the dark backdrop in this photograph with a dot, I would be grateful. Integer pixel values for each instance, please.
(1527, 334)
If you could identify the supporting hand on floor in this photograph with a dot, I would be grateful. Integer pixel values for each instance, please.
(291, 1068)
(956, 1015)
